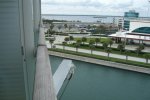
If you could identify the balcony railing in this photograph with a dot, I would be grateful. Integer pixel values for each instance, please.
(44, 87)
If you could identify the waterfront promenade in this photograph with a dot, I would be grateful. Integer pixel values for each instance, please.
(100, 53)
(102, 62)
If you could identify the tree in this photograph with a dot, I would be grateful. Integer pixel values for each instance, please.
(70, 27)
(127, 52)
(51, 26)
(110, 42)
(97, 40)
(123, 43)
(110, 28)
(94, 27)
(89, 27)
(59, 27)
(64, 44)
(139, 49)
(66, 26)
(105, 45)
(71, 38)
(147, 56)
(77, 44)
(108, 50)
(91, 45)
(51, 41)
(102, 29)
(120, 47)
(46, 34)
(50, 32)
(66, 39)
(84, 39)
(97, 31)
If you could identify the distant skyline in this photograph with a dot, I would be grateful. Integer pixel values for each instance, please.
(95, 7)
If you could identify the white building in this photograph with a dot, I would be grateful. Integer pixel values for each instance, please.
(139, 30)
(119, 21)
(134, 24)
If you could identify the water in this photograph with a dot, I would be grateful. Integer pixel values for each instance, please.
(96, 82)
(82, 18)
(55, 62)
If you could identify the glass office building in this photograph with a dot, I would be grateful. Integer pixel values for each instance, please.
(129, 16)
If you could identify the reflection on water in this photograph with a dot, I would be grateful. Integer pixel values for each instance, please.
(55, 62)
(95, 82)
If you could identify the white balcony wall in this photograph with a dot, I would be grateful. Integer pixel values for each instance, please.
(17, 45)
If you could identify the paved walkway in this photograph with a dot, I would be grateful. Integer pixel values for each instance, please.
(60, 39)
(100, 53)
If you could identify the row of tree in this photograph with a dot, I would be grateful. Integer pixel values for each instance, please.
(51, 32)
(106, 46)
(102, 29)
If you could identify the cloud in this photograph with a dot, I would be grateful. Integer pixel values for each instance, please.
(72, 3)
(98, 7)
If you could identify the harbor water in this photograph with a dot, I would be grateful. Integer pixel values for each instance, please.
(82, 18)
(98, 82)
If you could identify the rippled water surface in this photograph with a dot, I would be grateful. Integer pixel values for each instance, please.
(96, 82)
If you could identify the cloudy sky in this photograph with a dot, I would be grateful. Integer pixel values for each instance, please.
(95, 7)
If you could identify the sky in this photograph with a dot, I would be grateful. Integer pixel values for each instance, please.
(95, 7)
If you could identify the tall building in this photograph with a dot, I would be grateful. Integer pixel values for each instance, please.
(19, 31)
(129, 16)
(119, 22)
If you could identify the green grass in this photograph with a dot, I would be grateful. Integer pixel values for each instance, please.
(101, 39)
(113, 50)
(140, 64)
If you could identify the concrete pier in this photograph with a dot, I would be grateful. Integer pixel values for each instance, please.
(61, 74)
(102, 62)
